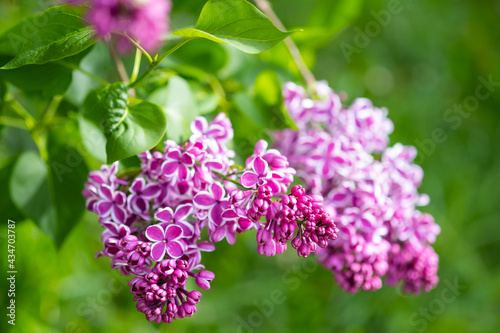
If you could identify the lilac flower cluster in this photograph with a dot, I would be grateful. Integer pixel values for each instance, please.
(370, 189)
(147, 21)
(154, 220)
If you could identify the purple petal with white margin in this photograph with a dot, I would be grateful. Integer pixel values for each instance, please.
(199, 124)
(174, 154)
(259, 166)
(173, 232)
(203, 200)
(218, 234)
(187, 159)
(229, 215)
(249, 179)
(187, 228)
(118, 214)
(168, 168)
(104, 208)
(106, 192)
(164, 214)
(138, 185)
(183, 172)
(182, 212)
(217, 191)
(155, 233)
(216, 215)
(158, 251)
(151, 191)
(206, 246)
(120, 198)
(174, 249)
(260, 147)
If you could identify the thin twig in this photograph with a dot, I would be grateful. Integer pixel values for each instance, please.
(122, 72)
(265, 6)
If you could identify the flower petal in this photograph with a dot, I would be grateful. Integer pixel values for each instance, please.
(249, 179)
(259, 166)
(175, 249)
(105, 191)
(216, 215)
(104, 208)
(218, 234)
(151, 191)
(138, 185)
(199, 124)
(187, 159)
(217, 191)
(168, 168)
(118, 214)
(260, 147)
(173, 232)
(164, 214)
(203, 200)
(155, 233)
(182, 212)
(158, 250)
(229, 214)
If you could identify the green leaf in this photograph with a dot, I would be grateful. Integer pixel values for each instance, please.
(55, 34)
(90, 122)
(114, 101)
(50, 193)
(335, 15)
(180, 107)
(128, 130)
(141, 130)
(47, 80)
(7, 207)
(237, 23)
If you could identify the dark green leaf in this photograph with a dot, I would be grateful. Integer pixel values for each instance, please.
(50, 194)
(114, 102)
(7, 207)
(48, 79)
(237, 23)
(55, 34)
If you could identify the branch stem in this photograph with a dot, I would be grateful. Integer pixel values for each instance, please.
(309, 79)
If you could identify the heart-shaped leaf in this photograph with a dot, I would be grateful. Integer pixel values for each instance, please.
(237, 23)
(129, 129)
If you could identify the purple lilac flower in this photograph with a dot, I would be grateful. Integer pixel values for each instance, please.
(147, 21)
(372, 200)
(167, 239)
(154, 222)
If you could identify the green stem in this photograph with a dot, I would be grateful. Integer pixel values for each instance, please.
(156, 62)
(83, 71)
(221, 176)
(139, 47)
(137, 65)
(266, 7)
(52, 108)
(29, 120)
(122, 72)
(13, 122)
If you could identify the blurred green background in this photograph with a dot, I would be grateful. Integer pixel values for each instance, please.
(422, 58)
